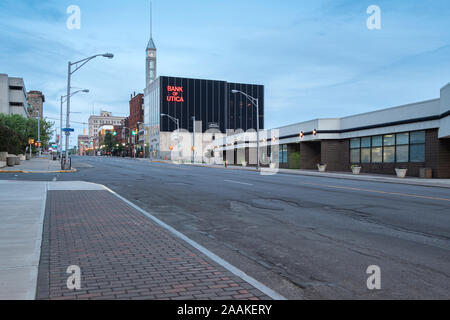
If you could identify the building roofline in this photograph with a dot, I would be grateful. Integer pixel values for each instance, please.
(391, 108)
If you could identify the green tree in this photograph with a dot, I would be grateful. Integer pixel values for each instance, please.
(109, 142)
(24, 129)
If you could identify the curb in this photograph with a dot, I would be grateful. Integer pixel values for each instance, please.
(335, 176)
(30, 171)
(234, 270)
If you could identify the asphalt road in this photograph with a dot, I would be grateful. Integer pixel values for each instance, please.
(305, 237)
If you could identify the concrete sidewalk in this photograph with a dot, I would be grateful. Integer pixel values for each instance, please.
(36, 165)
(123, 252)
(21, 221)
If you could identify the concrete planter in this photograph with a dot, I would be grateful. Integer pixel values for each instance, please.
(2, 164)
(322, 167)
(3, 156)
(27, 156)
(16, 160)
(356, 170)
(401, 173)
(22, 157)
(11, 161)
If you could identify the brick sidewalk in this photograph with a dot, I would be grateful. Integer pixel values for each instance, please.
(124, 255)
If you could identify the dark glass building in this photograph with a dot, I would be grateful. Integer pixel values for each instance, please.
(209, 101)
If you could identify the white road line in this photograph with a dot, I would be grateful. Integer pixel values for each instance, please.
(237, 182)
(239, 273)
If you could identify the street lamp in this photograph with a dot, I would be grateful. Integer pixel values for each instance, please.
(61, 116)
(255, 102)
(77, 65)
(177, 121)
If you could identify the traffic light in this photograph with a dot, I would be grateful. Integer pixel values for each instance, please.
(134, 133)
(315, 132)
(115, 133)
(302, 135)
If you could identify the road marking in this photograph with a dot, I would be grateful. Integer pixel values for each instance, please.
(237, 272)
(379, 191)
(237, 182)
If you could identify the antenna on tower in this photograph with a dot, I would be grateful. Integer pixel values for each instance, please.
(151, 20)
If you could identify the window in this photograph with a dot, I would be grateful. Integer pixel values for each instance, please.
(355, 143)
(402, 154)
(417, 146)
(389, 154)
(283, 154)
(391, 148)
(365, 155)
(377, 155)
(355, 155)
(389, 140)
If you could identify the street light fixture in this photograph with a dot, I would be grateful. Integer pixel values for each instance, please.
(61, 115)
(255, 102)
(77, 65)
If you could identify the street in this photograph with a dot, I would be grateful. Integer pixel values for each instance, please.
(302, 236)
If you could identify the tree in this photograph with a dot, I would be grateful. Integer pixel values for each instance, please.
(109, 142)
(24, 129)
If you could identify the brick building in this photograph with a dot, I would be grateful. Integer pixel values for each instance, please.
(135, 120)
(414, 136)
(35, 100)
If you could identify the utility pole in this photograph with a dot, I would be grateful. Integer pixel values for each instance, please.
(193, 141)
(39, 132)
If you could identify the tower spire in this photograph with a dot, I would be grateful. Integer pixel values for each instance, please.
(151, 21)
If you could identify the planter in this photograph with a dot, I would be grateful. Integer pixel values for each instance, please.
(273, 166)
(356, 170)
(22, 157)
(27, 156)
(3, 156)
(17, 160)
(244, 163)
(11, 161)
(322, 167)
(401, 173)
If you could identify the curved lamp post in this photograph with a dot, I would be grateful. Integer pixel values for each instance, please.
(77, 65)
(255, 102)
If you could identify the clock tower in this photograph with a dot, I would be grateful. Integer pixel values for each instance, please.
(150, 74)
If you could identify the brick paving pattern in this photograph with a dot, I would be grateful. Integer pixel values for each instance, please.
(124, 255)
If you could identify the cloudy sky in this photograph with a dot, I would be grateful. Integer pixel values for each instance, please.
(315, 58)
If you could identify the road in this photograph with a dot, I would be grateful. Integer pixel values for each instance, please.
(305, 237)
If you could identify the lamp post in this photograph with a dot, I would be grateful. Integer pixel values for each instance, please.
(77, 65)
(255, 102)
(176, 120)
(61, 117)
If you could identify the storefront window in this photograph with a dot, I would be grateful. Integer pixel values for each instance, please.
(389, 140)
(355, 143)
(377, 141)
(283, 153)
(402, 154)
(417, 146)
(365, 155)
(391, 148)
(417, 152)
(377, 155)
(402, 138)
(389, 154)
(366, 142)
(355, 155)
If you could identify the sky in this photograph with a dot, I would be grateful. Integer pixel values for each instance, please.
(317, 59)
